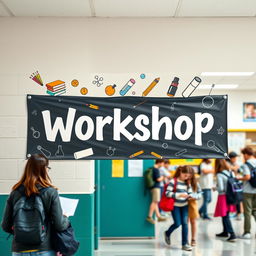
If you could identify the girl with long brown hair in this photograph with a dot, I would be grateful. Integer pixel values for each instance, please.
(193, 212)
(35, 181)
(180, 189)
(222, 170)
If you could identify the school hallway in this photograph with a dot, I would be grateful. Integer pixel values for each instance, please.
(207, 243)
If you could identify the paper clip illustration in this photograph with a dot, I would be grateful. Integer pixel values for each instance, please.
(35, 134)
(44, 151)
(181, 152)
(187, 92)
(136, 154)
(156, 155)
(211, 144)
(127, 87)
(151, 86)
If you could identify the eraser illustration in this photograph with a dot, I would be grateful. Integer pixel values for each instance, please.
(83, 153)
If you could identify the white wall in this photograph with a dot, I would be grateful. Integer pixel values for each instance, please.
(65, 48)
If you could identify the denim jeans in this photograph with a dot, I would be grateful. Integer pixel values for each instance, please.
(38, 253)
(180, 217)
(227, 226)
(207, 198)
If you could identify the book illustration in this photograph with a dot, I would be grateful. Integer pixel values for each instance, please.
(56, 87)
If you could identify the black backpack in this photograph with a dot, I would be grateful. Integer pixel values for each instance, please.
(253, 174)
(29, 219)
(234, 192)
(65, 241)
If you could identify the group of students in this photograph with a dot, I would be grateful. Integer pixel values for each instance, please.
(186, 190)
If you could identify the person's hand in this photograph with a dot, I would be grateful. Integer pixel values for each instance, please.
(190, 198)
(184, 196)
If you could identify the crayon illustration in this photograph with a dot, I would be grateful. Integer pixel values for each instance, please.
(92, 106)
(151, 86)
(110, 90)
(127, 87)
(136, 154)
(156, 155)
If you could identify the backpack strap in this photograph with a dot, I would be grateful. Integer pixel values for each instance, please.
(250, 165)
(228, 176)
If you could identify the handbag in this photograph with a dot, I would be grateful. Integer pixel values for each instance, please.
(65, 241)
(167, 203)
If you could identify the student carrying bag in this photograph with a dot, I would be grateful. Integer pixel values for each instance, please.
(29, 219)
(167, 203)
(65, 242)
(252, 173)
(234, 194)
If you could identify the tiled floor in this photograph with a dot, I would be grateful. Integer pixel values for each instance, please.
(208, 245)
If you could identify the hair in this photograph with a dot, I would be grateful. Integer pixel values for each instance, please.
(221, 165)
(254, 153)
(247, 151)
(183, 169)
(166, 161)
(35, 173)
(159, 161)
(206, 160)
(193, 178)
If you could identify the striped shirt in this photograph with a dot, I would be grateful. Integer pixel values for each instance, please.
(181, 188)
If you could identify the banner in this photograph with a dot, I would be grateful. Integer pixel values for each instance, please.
(71, 127)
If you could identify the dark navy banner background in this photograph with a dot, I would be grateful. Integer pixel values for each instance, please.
(183, 133)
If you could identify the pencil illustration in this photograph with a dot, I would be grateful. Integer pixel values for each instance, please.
(151, 86)
(156, 155)
(136, 154)
(92, 106)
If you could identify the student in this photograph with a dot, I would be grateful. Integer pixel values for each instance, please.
(222, 208)
(249, 192)
(193, 213)
(35, 179)
(156, 193)
(180, 212)
(164, 171)
(206, 183)
(235, 168)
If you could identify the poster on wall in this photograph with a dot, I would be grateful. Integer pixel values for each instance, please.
(72, 127)
(249, 112)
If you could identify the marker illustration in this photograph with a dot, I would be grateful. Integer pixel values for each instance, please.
(127, 87)
(151, 86)
(173, 87)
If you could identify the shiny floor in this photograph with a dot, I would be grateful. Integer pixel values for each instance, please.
(207, 243)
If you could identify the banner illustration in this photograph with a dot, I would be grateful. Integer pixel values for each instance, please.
(127, 127)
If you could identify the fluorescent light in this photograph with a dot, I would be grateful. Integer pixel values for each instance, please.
(227, 73)
(217, 86)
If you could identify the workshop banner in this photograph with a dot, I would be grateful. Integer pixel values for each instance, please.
(72, 127)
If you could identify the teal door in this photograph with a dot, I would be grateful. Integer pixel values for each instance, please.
(123, 203)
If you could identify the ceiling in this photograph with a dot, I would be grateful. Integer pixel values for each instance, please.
(128, 8)
(243, 82)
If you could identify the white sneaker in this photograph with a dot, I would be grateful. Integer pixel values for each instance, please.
(186, 247)
(246, 236)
